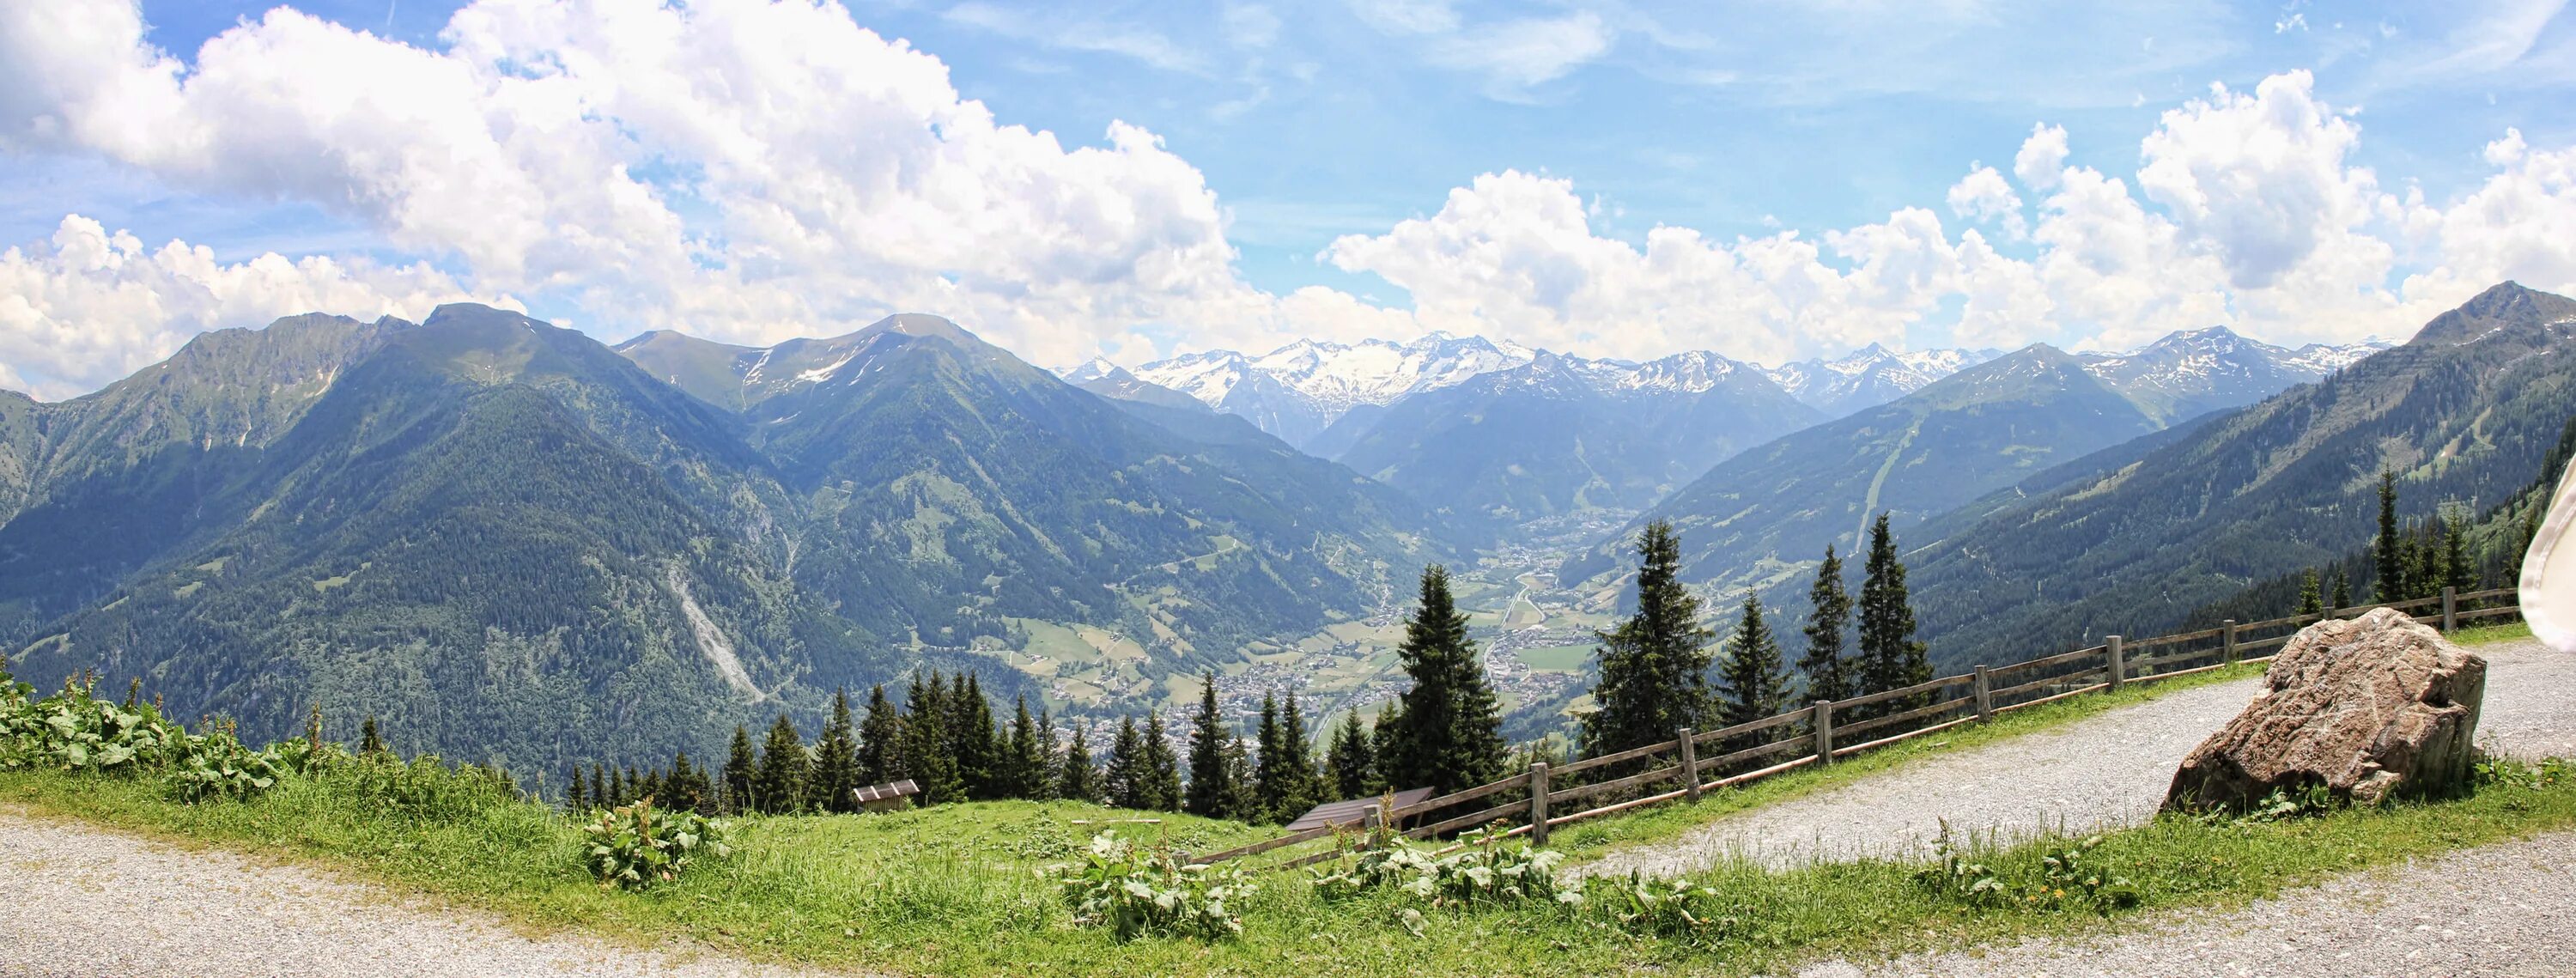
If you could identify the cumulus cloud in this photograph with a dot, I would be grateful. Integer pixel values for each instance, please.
(87, 305)
(752, 170)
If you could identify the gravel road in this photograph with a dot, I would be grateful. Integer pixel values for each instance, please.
(77, 901)
(2106, 770)
(2503, 911)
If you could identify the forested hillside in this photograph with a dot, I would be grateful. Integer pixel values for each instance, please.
(2465, 413)
(513, 543)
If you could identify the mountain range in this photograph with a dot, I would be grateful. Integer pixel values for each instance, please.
(511, 541)
(1765, 516)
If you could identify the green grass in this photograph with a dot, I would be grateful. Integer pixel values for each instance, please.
(950, 890)
(2512, 631)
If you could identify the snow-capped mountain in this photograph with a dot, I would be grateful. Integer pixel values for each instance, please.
(1870, 376)
(1563, 434)
(1112, 381)
(2193, 372)
(1296, 391)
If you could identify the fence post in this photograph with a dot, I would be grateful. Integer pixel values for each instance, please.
(2112, 647)
(2227, 641)
(1690, 765)
(1824, 731)
(1538, 803)
(1985, 696)
(2450, 609)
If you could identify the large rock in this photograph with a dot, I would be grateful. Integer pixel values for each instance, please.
(2369, 708)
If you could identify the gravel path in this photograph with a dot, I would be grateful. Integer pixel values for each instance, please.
(2106, 770)
(2503, 911)
(77, 901)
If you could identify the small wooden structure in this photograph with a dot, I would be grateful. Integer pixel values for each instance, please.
(1350, 811)
(886, 797)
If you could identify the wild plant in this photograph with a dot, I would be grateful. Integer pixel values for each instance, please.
(637, 846)
(215, 765)
(1134, 891)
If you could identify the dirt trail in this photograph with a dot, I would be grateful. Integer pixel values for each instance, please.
(78, 901)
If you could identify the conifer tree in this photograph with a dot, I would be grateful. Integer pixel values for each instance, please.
(1756, 686)
(1210, 789)
(1297, 750)
(1351, 761)
(1078, 780)
(1242, 794)
(370, 742)
(1024, 765)
(685, 788)
(778, 784)
(1382, 736)
(1451, 735)
(1044, 762)
(738, 766)
(1270, 786)
(881, 741)
(650, 788)
(2459, 570)
(1827, 668)
(1654, 666)
(2342, 591)
(599, 790)
(929, 756)
(1130, 783)
(1890, 656)
(2392, 563)
(574, 800)
(970, 737)
(1162, 766)
(836, 761)
(2310, 602)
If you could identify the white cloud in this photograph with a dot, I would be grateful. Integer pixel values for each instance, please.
(2260, 178)
(2041, 157)
(88, 306)
(1983, 195)
(1513, 55)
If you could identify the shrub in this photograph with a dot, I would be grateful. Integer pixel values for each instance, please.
(637, 845)
(216, 765)
(424, 788)
(1136, 891)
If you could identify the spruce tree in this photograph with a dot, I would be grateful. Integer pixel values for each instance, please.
(1211, 786)
(1827, 667)
(778, 785)
(2392, 564)
(1045, 761)
(2459, 570)
(2310, 602)
(738, 767)
(1130, 784)
(1756, 686)
(2342, 591)
(1024, 765)
(1351, 762)
(1451, 735)
(928, 754)
(1270, 778)
(1242, 794)
(881, 741)
(574, 801)
(971, 736)
(599, 790)
(1382, 736)
(1301, 787)
(1890, 656)
(1654, 666)
(686, 787)
(1077, 780)
(836, 761)
(370, 742)
(1162, 766)
(650, 789)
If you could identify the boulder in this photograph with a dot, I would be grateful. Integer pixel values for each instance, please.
(2369, 708)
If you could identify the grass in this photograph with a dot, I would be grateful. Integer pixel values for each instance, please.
(951, 890)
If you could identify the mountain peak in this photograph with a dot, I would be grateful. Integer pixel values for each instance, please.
(2503, 306)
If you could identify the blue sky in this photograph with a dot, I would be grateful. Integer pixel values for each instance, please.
(1405, 165)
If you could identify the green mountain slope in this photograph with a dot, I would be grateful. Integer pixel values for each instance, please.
(2466, 411)
(1762, 516)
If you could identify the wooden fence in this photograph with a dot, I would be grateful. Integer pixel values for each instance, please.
(1812, 735)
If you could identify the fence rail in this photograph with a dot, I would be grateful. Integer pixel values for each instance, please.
(2110, 666)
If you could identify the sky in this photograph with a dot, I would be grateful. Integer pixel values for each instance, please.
(1770, 180)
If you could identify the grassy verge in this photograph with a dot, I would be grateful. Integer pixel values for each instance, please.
(950, 890)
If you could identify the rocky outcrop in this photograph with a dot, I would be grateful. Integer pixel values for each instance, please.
(2367, 708)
